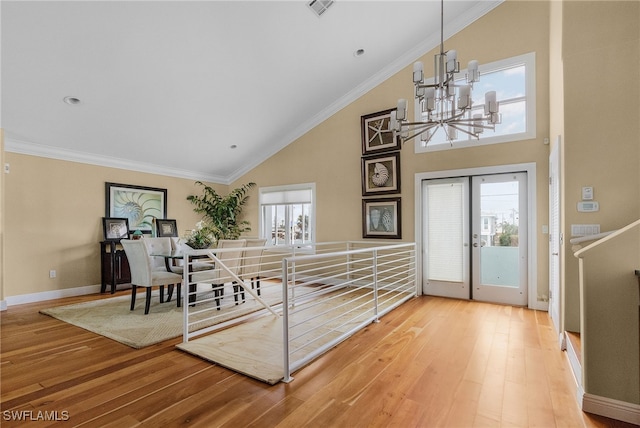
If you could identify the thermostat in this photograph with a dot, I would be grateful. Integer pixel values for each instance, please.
(588, 206)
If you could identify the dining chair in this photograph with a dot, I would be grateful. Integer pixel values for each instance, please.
(252, 261)
(230, 257)
(142, 274)
(161, 245)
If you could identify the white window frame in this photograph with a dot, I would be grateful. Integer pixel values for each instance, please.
(486, 138)
(283, 189)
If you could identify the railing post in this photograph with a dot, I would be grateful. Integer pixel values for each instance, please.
(375, 285)
(285, 322)
(349, 260)
(185, 297)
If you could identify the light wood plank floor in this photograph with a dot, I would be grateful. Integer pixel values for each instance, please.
(433, 362)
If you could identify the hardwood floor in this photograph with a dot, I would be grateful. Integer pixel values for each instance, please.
(433, 362)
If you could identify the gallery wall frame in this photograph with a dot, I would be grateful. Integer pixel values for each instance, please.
(141, 205)
(115, 229)
(166, 227)
(382, 218)
(376, 136)
(381, 174)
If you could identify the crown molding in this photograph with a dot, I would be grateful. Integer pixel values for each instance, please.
(27, 148)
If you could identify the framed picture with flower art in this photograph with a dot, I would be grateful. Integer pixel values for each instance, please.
(115, 229)
(140, 205)
(381, 218)
(166, 227)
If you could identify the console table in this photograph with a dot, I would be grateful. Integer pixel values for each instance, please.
(114, 265)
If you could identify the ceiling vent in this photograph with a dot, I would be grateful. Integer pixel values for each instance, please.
(319, 6)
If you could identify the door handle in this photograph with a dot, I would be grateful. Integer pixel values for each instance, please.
(554, 254)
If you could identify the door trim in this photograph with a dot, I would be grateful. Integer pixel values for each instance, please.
(555, 191)
(530, 169)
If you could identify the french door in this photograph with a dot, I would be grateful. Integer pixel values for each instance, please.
(475, 238)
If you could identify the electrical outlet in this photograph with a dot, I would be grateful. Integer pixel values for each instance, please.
(52, 273)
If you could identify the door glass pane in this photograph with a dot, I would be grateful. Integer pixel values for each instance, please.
(445, 232)
(499, 261)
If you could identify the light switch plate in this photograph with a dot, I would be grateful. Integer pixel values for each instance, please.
(584, 229)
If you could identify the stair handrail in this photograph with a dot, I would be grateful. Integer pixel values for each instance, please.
(593, 237)
(611, 235)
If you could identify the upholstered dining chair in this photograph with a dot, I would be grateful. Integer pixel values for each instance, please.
(161, 245)
(252, 260)
(142, 274)
(231, 258)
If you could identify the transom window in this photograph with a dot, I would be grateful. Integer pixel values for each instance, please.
(513, 80)
(287, 214)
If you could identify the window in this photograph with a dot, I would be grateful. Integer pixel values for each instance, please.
(514, 81)
(287, 214)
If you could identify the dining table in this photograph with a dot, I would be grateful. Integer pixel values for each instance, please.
(171, 256)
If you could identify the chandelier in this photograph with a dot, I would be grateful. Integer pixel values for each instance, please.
(445, 104)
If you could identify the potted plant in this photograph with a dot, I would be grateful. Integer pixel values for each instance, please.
(222, 213)
(200, 237)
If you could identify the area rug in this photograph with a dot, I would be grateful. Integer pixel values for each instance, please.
(112, 318)
(254, 348)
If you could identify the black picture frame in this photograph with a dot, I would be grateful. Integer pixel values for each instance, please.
(115, 229)
(376, 137)
(382, 218)
(381, 174)
(166, 227)
(141, 205)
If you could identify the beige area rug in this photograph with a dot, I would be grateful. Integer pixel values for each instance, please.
(254, 348)
(112, 318)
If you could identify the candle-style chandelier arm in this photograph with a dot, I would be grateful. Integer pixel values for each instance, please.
(446, 104)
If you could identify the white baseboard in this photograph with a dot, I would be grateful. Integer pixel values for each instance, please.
(540, 305)
(603, 406)
(610, 408)
(50, 295)
(575, 363)
(3, 305)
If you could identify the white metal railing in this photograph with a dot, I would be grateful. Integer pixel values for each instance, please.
(324, 293)
(210, 307)
(330, 296)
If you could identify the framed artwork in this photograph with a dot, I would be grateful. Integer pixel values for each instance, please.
(166, 228)
(381, 218)
(139, 205)
(115, 229)
(376, 136)
(381, 174)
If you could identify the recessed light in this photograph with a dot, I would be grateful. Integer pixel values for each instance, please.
(71, 100)
(358, 53)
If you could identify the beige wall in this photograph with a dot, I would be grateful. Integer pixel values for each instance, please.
(330, 154)
(53, 216)
(601, 125)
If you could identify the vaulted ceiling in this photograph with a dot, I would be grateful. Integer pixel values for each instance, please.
(198, 89)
